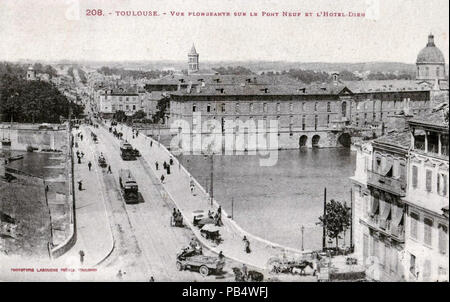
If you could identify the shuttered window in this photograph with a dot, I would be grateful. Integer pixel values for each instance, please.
(427, 229)
(414, 176)
(443, 239)
(414, 222)
(428, 180)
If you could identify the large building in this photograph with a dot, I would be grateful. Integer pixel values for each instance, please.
(127, 99)
(401, 202)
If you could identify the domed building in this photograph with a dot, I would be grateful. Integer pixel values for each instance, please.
(430, 63)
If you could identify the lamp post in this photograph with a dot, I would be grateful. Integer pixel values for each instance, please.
(303, 230)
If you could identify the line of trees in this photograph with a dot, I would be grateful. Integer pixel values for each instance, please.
(135, 74)
(33, 101)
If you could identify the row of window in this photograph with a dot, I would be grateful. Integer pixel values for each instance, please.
(428, 232)
(440, 179)
(265, 107)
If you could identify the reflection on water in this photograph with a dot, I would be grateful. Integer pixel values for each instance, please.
(46, 165)
(274, 202)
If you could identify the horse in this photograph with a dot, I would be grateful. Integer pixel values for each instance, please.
(252, 276)
(302, 266)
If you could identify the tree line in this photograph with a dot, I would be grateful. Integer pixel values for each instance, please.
(33, 101)
(135, 74)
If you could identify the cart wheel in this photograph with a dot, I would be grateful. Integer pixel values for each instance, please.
(204, 271)
(179, 266)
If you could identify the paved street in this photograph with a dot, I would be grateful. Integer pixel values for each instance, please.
(144, 237)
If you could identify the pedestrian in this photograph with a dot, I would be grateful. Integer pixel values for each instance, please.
(246, 245)
(151, 143)
(221, 256)
(109, 169)
(192, 186)
(151, 279)
(171, 161)
(78, 153)
(79, 159)
(81, 137)
(244, 271)
(80, 185)
(89, 165)
(156, 165)
(82, 154)
(162, 178)
(81, 252)
(119, 274)
(168, 169)
(46, 189)
(165, 165)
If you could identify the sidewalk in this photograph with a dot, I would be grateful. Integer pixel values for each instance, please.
(94, 236)
(177, 187)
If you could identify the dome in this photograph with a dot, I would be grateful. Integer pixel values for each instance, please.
(430, 54)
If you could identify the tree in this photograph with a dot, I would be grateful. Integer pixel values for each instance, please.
(120, 116)
(337, 219)
(139, 115)
(162, 106)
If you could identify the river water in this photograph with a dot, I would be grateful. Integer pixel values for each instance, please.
(274, 202)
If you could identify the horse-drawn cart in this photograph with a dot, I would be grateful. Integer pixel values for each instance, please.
(291, 264)
(211, 232)
(195, 260)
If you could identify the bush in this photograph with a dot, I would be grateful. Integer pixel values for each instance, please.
(30, 149)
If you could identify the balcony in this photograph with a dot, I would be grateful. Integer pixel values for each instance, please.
(393, 185)
(385, 227)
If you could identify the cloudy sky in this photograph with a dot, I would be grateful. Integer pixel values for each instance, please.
(393, 30)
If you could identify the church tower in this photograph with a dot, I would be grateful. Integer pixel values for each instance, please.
(31, 74)
(193, 66)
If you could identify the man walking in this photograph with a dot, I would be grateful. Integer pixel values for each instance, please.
(89, 165)
(81, 252)
(109, 169)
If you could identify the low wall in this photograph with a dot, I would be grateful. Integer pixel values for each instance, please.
(61, 249)
(23, 135)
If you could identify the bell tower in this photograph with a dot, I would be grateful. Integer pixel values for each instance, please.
(193, 65)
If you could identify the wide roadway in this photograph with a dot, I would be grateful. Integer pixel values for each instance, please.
(148, 221)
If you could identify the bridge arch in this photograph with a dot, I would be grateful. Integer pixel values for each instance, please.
(315, 141)
(345, 140)
(302, 141)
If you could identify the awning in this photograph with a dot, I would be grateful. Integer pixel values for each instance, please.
(385, 209)
(375, 205)
(397, 214)
(387, 167)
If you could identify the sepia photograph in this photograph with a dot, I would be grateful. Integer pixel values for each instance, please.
(224, 141)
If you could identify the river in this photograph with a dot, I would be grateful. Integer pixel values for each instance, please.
(274, 202)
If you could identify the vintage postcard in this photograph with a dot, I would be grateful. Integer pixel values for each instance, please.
(223, 141)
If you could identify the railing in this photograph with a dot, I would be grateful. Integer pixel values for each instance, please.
(396, 186)
(385, 227)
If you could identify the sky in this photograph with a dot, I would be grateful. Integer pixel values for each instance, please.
(393, 30)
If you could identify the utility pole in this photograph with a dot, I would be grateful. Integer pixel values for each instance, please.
(324, 235)
(303, 230)
(212, 178)
(232, 208)
(351, 218)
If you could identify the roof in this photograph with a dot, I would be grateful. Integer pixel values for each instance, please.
(430, 54)
(396, 138)
(251, 89)
(386, 86)
(437, 118)
(193, 50)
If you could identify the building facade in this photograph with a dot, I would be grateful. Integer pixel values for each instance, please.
(400, 206)
(128, 100)
(427, 238)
